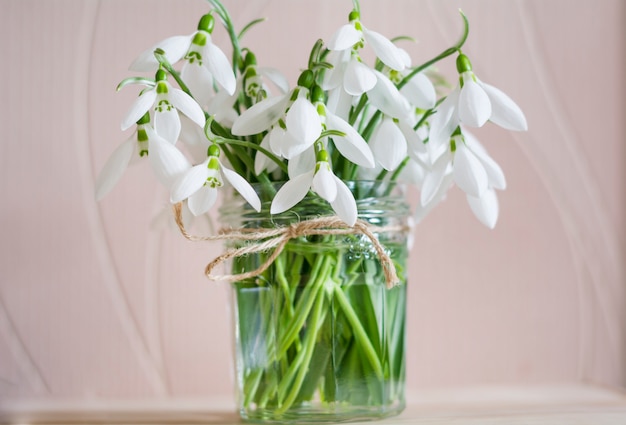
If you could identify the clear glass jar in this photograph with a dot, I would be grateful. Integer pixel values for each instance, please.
(318, 335)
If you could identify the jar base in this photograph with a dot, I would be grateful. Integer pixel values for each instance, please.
(319, 415)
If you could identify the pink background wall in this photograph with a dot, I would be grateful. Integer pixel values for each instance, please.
(102, 301)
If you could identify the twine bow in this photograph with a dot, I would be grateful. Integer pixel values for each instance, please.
(277, 238)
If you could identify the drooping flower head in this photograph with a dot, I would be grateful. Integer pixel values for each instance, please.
(167, 162)
(167, 101)
(204, 61)
(473, 103)
(199, 185)
(322, 181)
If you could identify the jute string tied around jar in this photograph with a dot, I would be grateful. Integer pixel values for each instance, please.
(264, 239)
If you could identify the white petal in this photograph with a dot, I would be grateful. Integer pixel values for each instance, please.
(189, 183)
(260, 116)
(262, 161)
(387, 52)
(344, 204)
(494, 171)
(334, 77)
(415, 144)
(504, 112)
(285, 145)
(406, 58)
(388, 145)
(324, 184)
(242, 186)
(474, 104)
(303, 121)
(140, 106)
(469, 173)
(386, 97)
(199, 81)
(221, 107)
(444, 122)
(433, 180)
(358, 78)
(345, 37)
(339, 102)
(168, 163)
(167, 125)
(413, 173)
(421, 210)
(276, 77)
(292, 192)
(115, 166)
(202, 201)
(187, 105)
(353, 146)
(420, 91)
(485, 208)
(174, 47)
(218, 65)
(302, 163)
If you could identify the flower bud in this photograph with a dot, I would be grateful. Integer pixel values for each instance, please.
(463, 64)
(306, 79)
(207, 23)
(214, 151)
(353, 16)
(317, 94)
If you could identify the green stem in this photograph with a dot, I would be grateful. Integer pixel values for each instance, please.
(302, 366)
(359, 332)
(452, 50)
(230, 28)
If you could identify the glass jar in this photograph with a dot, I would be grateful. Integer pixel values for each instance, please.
(319, 337)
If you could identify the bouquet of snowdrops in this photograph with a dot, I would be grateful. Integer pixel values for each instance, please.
(309, 305)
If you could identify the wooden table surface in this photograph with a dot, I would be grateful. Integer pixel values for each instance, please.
(528, 405)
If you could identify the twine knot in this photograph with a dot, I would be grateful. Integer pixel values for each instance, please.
(264, 239)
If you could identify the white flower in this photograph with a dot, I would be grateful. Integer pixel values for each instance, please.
(473, 103)
(261, 116)
(167, 101)
(349, 73)
(167, 162)
(200, 183)
(204, 61)
(353, 33)
(322, 181)
(420, 91)
(468, 165)
(352, 146)
(393, 140)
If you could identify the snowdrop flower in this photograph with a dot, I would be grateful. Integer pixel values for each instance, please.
(167, 101)
(200, 183)
(322, 181)
(473, 103)
(393, 140)
(204, 61)
(355, 35)
(468, 165)
(293, 110)
(167, 162)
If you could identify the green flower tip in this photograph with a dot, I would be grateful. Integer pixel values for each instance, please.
(317, 94)
(207, 23)
(145, 119)
(354, 16)
(463, 64)
(214, 151)
(160, 75)
(306, 79)
(249, 60)
(322, 156)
